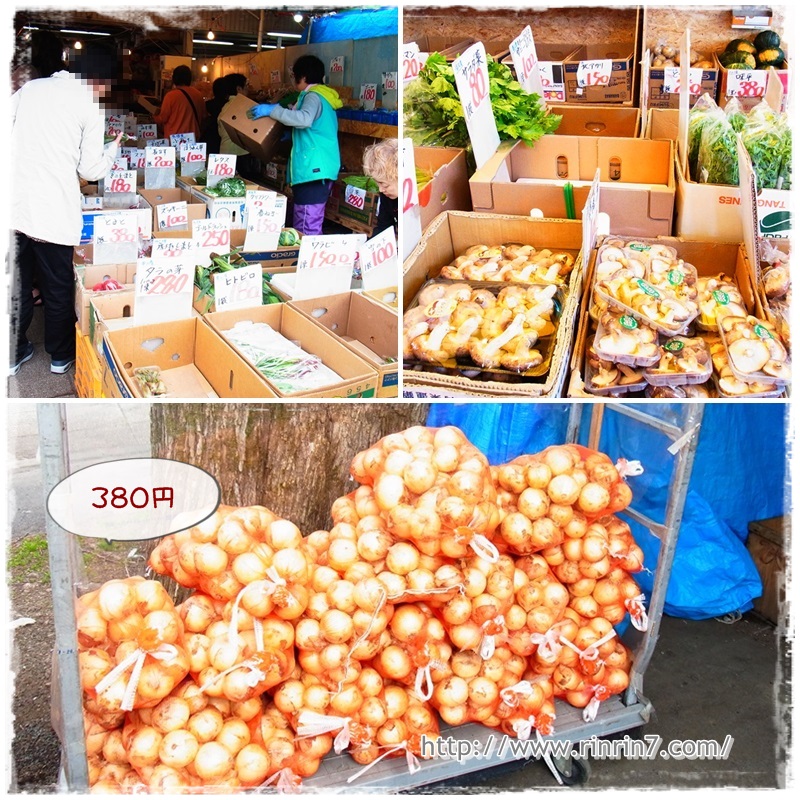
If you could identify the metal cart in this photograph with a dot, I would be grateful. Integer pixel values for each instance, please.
(627, 712)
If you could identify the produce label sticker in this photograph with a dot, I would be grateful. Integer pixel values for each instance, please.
(159, 168)
(628, 322)
(325, 264)
(368, 95)
(238, 288)
(116, 237)
(551, 76)
(412, 226)
(264, 220)
(746, 83)
(472, 82)
(594, 73)
(649, 290)
(722, 298)
(672, 80)
(673, 345)
(148, 132)
(275, 76)
(389, 89)
(210, 236)
(193, 159)
(378, 257)
(220, 166)
(179, 139)
(523, 54)
(173, 216)
(354, 196)
(91, 202)
(164, 286)
(114, 124)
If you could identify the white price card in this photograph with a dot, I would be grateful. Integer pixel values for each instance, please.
(523, 54)
(355, 197)
(120, 181)
(746, 83)
(672, 80)
(337, 64)
(325, 264)
(148, 132)
(378, 257)
(119, 164)
(472, 82)
(220, 166)
(211, 236)
(194, 153)
(412, 62)
(265, 216)
(115, 124)
(178, 139)
(164, 288)
(160, 157)
(410, 210)
(131, 154)
(591, 209)
(116, 237)
(178, 249)
(158, 143)
(173, 216)
(239, 288)
(389, 81)
(275, 76)
(594, 73)
(368, 95)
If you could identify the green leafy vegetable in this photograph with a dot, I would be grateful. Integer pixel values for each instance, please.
(764, 136)
(434, 116)
(362, 182)
(717, 161)
(204, 277)
(228, 187)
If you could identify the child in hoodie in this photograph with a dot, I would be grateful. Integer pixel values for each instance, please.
(314, 161)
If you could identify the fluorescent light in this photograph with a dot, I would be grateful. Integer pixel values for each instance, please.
(86, 33)
(284, 35)
(216, 41)
(266, 46)
(29, 28)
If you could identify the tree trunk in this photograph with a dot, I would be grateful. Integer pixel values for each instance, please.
(293, 458)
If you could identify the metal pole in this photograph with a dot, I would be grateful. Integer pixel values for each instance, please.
(260, 31)
(64, 560)
(574, 422)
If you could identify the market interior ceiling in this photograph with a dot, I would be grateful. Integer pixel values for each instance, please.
(164, 31)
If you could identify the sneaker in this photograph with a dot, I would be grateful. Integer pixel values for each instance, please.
(60, 366)
(27, 357)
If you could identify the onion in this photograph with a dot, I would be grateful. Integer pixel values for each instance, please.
(593, 548)
(515, 618)
(595, 569)
(205, 725)
(341, 554)
(616, 680)
(561, 515)
(408, 622)
(336, 626)
(347, 701)
(317, 606)
(397, 461)
(545, 533)
(374, 545)
(234, 735)
(583, 587)
(466, 664)
(322, 578)
(585, 606)
(210, 559)
(445, 457)
(92, 627)
(373, 712)
(178, 749)
(116, 599)
(120, 630)
(278, 634)
(453, 691)
(467, 485)
(213, 761)
(454, 715)
(94, 665)
(455, 511)
(402, 558)
(512, 478)
(396, 700)
(558, 459)
(467, 636)
(341, 596)
(144, 746)
(394, 662)
(283, 535)
(563, 489)
(252, 765)
(419, 476)
(516, 530)
(576, 527)
(369, 682)
(393, 732)
(420, 719)
(247, 709)
(474, 581)
(291, 565)
(171, 714)
(288, 696)
(620, 496)
(233, 538)
(308, 635)
(395, 585)
(197, 613)
(317, 698)
(390, 491)
(593, 498)
(333, 656)
(533, 503)
(483, 692)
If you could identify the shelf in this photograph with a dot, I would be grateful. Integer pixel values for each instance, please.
(373, 129)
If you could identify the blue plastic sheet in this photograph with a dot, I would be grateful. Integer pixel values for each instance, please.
(357, 23)
(739, 475)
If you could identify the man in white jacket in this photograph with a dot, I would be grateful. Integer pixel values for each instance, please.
(56, 139)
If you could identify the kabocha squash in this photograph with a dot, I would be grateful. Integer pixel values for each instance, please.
(742, 45)
(774, 57)
(766, 40)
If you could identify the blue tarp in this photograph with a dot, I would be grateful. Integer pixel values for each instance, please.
(357, 23)
(739, 475)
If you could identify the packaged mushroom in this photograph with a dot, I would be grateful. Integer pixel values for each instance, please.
(666, 313)
(755, 351)
(675, 277)
(622, 339)
(701, 391)
(609, 378)
(777, 287)
(682, 361)
(728, 385)
(512, 263)
(718, 295)
(494, 329)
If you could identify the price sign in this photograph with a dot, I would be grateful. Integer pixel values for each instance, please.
(158, 143)
(389, 81)
(131, 156)
(271, 171)
(354, 196)
(160, 157)
(210, 236)
(194, 153)
(173, 216)
(178, 139)
(116, 237)
(378, 258)
(147, 132)
(523, 54)
(120, 181)
(672, 80)
(165, 284)
(239, 288)
(172, 250)
(472, 82)
(594, 73)
(275, 76)
(337, 64)
(115, 123)
(368, 95)
(220, 166)
(589, 216)
(325, 264)
(91, 202)
(265, 218)
(409, 203)
(139, 160)
(746, 83)
(412, 62)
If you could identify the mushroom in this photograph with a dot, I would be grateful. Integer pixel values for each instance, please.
(748, 355)
(523, 356)
(428, 346)
(495, 320)
(628, 375)
(475, 250)
(776, 282)
(604, 378)
(486, 351)
(778, 369)
(483, 297)
(456, 343)
(731, 385)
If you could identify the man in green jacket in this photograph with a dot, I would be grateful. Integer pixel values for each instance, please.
(314, 161)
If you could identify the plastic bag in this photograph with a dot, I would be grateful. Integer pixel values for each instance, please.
(763, 134)
(717, 160)
(698, 119)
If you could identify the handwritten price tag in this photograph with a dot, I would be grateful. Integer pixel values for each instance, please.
(523, 54)
(194, 153)
(412, 226)
(173, 216)
(747, 83)
(271, 171)
(337, 64)
(164, 285)
(265, 214)
(472, 82)
(275, 76)
(158, 143)
(594, 73)
(160, 157)
(220, 166)
(120, 181)
(551, 75)
(325, 265)
(114, 124)
(120, 164)
(147, 132)
(178, 139)
(354, 196)
(672, 80)
(379, 261)
(368, 95)
(116, 237)
(172, 250)
(210, 236)
(412, 62)
(389, 81)
(239, 288)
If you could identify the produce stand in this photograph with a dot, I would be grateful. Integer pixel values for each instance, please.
(623, 713)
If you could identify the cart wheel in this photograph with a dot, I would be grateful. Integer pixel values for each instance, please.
(572, 771)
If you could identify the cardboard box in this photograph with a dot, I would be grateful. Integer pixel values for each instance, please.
(338, 206)
(659, 98)
(766, 543)
(619, 88)
(661, 123)
(368, 329)
(637, 188)
(195, 362)
(156, 197)
(750, 102)
(358, 378)
(88, 371)
(260, 137)
(88, 275)
(551, 57)
(449, 188)
(586, 120)
(109, 311)
(449, 236)
(386, 297)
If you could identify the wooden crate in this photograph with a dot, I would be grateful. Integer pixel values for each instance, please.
(88, 370)
(766, 544)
